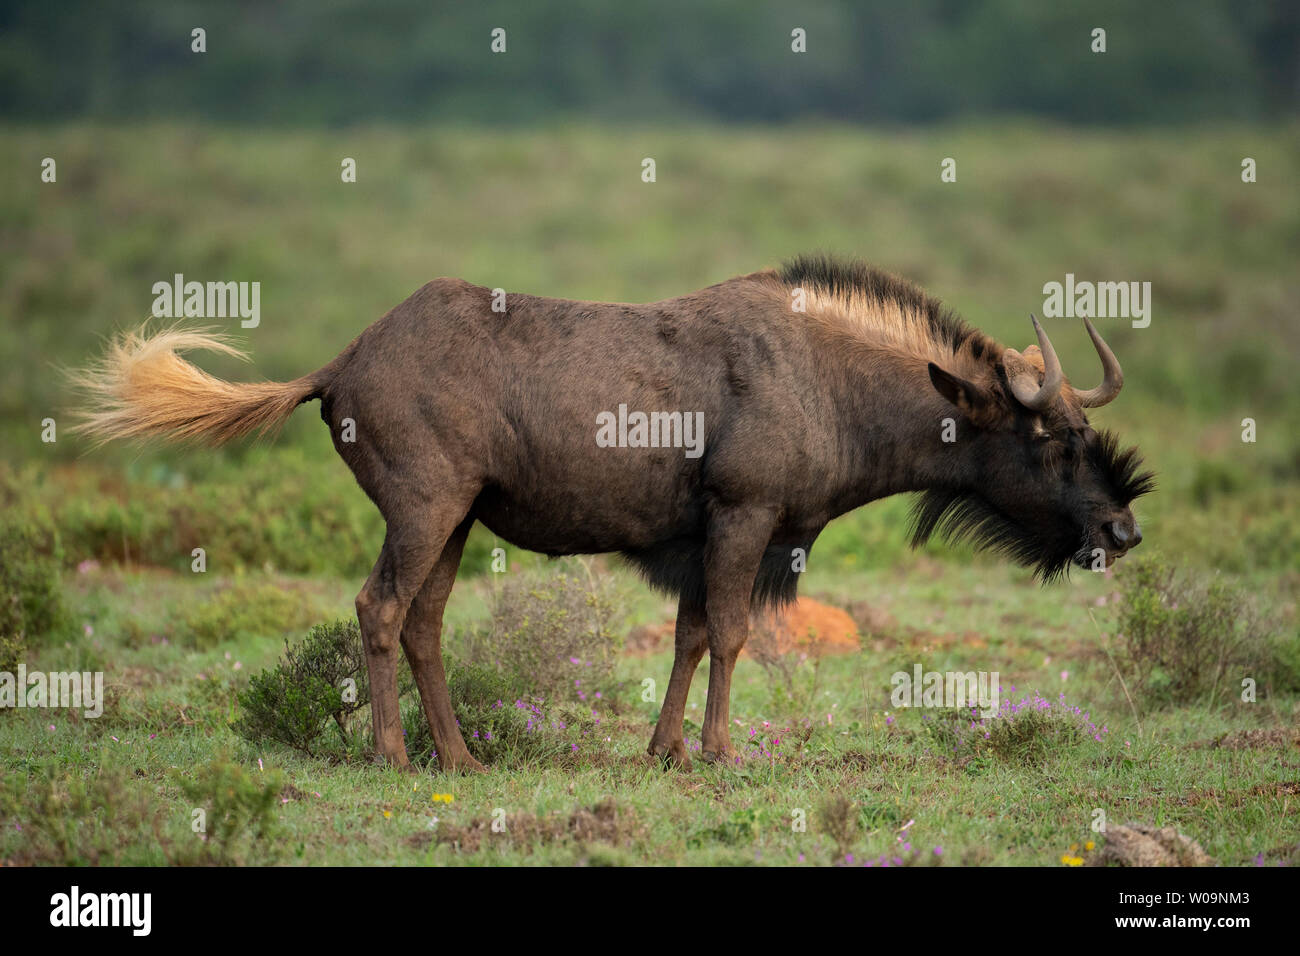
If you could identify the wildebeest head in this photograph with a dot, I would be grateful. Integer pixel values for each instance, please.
(1039, 483)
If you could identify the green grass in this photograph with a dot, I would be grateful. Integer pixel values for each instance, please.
(289, 537)
(171, 705)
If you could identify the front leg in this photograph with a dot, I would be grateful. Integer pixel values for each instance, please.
(689, 643)
(738, 536)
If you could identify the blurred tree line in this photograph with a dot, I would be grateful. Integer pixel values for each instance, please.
(339, 61)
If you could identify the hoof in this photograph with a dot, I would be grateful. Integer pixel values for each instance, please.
(396, 761)
(672, 755)
(719, 757)
(463, 764)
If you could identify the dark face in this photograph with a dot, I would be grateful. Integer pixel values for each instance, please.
(1045, 488)
(1070, 486)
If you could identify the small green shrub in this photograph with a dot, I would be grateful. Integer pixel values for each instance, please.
(74, 820)
(1183, 639)
(530, 683)
(554, 636)
(837, 817)
(1025, 729)
(31, 595)
(238, 818)
(13, 650)
(499, 726)
(293, 702)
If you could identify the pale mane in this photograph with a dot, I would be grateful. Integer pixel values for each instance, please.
(871, 310)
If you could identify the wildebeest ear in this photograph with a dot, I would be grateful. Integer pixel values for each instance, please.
(974, 402)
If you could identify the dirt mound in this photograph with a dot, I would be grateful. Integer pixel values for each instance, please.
(1254, 740)
(1282, 788)
(807, 626)
(602, 823)
(1138, 844)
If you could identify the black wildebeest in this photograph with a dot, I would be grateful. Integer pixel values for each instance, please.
(822, 386)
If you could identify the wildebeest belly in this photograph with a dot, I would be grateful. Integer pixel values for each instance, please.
(618, 508)
(663, 537)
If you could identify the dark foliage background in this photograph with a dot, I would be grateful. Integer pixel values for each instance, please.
(342, 61)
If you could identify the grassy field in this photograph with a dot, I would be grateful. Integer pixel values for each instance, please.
(97, 545)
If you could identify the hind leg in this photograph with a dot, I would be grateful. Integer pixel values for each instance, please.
(414, 542)
(737, 539)
(689, 643)
(422, 641)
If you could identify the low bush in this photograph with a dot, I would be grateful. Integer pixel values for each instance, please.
(1025, 729)
(553, 636)
(294, 703)
(1182, 638)
(66, 818)
(322, 678)
(236, 822)
(500, 727)
(31, 595)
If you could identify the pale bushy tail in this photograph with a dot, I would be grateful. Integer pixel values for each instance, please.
(142, 388)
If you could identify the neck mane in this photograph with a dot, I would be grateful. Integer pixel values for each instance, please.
(878, 315)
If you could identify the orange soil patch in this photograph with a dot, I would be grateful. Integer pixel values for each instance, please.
(807, 626)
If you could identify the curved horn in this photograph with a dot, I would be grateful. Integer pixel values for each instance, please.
(1025, 385)
(1113, 377)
